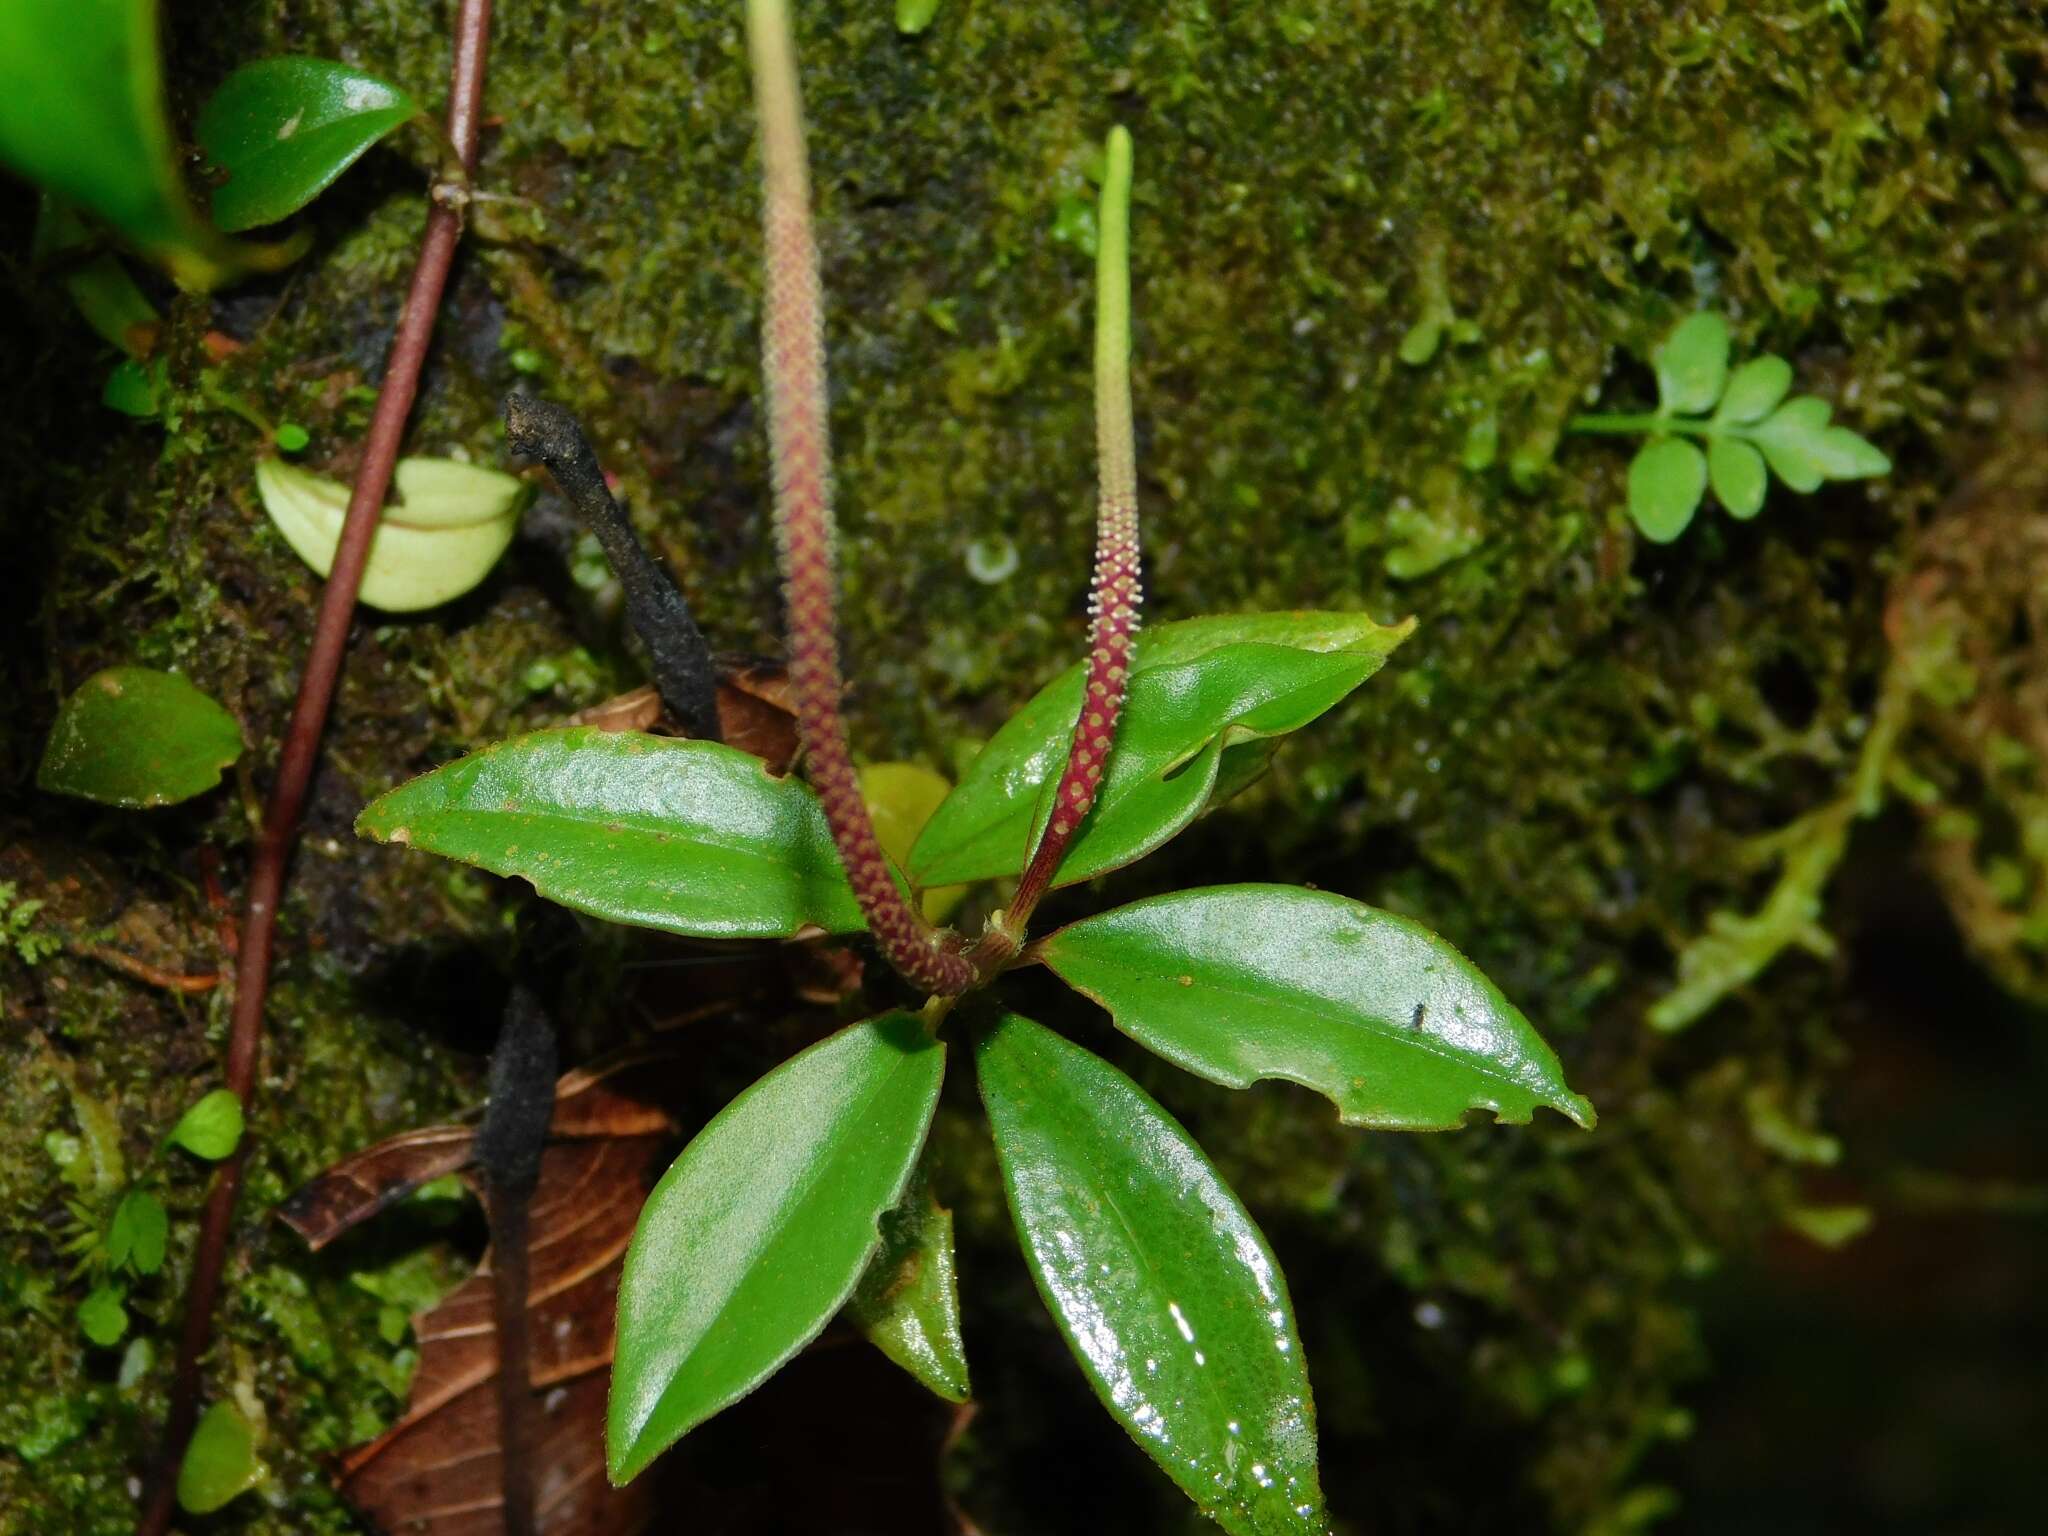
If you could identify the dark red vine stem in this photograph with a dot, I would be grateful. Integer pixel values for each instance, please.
(302, 738)
(793, 360)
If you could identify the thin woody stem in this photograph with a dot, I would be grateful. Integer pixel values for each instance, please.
(1116, 597)
(302, 744)
(793, 359)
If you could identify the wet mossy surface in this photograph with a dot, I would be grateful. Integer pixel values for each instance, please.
(1564, 771)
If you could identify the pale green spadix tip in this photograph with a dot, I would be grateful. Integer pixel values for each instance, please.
(1113, 258)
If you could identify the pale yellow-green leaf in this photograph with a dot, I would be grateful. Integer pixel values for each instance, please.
(445, 530)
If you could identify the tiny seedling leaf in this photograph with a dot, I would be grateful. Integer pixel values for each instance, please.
(136, 1235)
(1163, 1287)
(101, 1316)
(134, 389)
(759, 1231)
(1197, 688)
(283, 130)
(82, 116)
(1666, 480)
(691, 837)
(1791, 439)
(908, 1301)
(1754, 391)
(1737, 472)
(220, 1462)
(211, 1128)
(1240, 983)
(1692, 364)
(913, 16)
(450, 524)
(135, 737)
(1846, 456)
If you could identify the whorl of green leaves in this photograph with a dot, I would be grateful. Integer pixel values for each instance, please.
(1749, 428)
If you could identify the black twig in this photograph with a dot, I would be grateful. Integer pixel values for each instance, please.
(683, 670)
(509, 1146)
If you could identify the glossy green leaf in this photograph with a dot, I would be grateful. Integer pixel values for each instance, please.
(284, 129)
(82, 116)
(102, 1317)
(691, 837)
(220, 1461)
(1242, 982)
(1754, 390)
(1737, 472)
(211, 1128)
(1197, 688)
(441, 537)
(759, 1231)
(137, 1234)
(1692, 364)
(1666, 480)
(1791, 440)
(908, 1300)
(1162, 1285)
(136, 737)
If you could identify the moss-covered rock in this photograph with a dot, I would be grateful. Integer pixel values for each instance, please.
(1381, 256)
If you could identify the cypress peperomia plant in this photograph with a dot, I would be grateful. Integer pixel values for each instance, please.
(770, 1220)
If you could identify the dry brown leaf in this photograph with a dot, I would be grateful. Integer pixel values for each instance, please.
(756, 712)
(436, 1472)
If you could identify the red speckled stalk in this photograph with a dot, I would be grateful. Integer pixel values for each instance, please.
(793, 358)
(1116, 598)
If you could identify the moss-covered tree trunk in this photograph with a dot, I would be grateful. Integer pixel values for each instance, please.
(1566, 771)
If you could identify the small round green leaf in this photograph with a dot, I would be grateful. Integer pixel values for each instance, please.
(1164, 1288)
(135, 737)
(1197, 688)
(1846, 456)
(1238, 983)
(220, 1462)
(284, 129)
(1666, 480)
(908, 1301)
(101, 1316)
(913, 16)
(690, 837)
(451, 523)
(1738, 475)
(1754, 390)
(136, 1235)
(760, 1230)
(212, 1128)
(1692, 364)
(134, 388)
(1791, 438)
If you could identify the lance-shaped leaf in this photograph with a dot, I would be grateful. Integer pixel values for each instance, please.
(283, 129)
(136, 737)
(450, 524)
(759, 1231)
(1242, 982)
(691, 837)
(908, 1302)
(1165, 1290)
(1197, 688)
